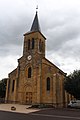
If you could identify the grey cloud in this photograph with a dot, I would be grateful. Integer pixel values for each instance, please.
(59, 21)
(10, 50)
(11, 34)
(69, 32)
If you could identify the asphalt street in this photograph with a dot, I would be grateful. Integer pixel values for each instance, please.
(47, 114)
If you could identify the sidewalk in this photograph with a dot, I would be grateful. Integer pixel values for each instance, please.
(19, 108)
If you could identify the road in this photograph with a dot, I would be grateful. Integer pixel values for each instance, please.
(47, 114)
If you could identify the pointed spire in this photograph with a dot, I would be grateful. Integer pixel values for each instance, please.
(35, 25)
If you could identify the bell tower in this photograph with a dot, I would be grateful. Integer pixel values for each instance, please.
(34, 41)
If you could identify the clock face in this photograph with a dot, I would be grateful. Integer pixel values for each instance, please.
(29, 57)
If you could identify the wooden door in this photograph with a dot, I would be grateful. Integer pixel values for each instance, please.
(28, 97)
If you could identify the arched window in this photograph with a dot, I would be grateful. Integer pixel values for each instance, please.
(28, 44)
(33, 43)
(29, 72)
(40, 46)
(13, 84)
(48, 84)
(8, 85)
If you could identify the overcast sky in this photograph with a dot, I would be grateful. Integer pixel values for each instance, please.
(59, 21)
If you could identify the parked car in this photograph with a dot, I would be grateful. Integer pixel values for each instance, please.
(74, 104)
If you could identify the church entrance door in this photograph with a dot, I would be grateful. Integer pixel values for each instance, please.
(28, 97)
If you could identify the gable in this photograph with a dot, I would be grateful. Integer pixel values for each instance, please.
(47, 62)
(13, 73)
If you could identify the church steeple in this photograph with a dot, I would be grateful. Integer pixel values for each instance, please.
(34, 40)
(35, 25)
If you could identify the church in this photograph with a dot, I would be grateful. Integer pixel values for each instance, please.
(36, 80)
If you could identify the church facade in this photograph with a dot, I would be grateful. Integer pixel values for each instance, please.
(36, 80)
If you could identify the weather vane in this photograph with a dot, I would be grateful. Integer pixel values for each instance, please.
(36, 8)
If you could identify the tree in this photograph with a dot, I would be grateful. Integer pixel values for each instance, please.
(3, 84)
(72, 84)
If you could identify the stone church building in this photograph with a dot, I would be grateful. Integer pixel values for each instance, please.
(36, 80)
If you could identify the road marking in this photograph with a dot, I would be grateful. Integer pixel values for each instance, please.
(57, 116)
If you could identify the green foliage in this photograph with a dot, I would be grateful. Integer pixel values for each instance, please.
(3, 84)
(72, 84)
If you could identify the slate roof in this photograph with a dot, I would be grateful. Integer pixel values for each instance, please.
(35, 25)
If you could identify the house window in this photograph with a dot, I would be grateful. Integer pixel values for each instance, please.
(33, 42)
(40, 46)
(13, 84)
(28, 44)
(29, 72)
(48, 84)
